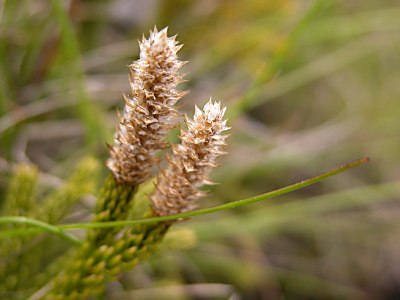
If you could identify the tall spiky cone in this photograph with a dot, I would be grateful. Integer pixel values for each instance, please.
(148, 115)
(192, 160)
(149, 110)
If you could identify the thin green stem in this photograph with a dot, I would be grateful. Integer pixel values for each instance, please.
(58, 229)
(230, 205)
(41, 225)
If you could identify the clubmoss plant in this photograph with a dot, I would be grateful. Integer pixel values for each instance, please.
(114, 243)
(54, 246)
(20, 201)
(147, 117)
(17, 252)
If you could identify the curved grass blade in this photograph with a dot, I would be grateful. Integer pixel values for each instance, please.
(43, 226)
(59, 229)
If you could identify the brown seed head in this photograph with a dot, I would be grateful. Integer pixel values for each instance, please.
(191, 162)
(148, 110)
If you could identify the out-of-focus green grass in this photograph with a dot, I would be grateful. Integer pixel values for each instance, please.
(308, 85)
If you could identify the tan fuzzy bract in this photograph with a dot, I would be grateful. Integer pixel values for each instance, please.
(191, 162)
(148, 110)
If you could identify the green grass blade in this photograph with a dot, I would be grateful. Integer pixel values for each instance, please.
(59, 229)
(41, 225)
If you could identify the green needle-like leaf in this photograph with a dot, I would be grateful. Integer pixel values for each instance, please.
(59, 229)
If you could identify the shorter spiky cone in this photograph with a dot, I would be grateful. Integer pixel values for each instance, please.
(149, 109)
(178, 185)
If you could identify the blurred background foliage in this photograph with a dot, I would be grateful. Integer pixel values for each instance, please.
(308, 84)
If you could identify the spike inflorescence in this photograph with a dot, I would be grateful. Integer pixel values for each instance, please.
(149, 108)
(191, 162)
